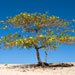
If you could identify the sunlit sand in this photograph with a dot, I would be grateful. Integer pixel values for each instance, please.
(21, 69)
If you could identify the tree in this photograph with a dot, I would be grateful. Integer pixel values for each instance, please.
(38, 31)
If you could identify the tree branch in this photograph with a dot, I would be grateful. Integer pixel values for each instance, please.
(41, 47)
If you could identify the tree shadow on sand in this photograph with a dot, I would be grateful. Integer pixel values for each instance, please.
(46, 65)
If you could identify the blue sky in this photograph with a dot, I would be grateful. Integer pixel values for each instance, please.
(65, 9)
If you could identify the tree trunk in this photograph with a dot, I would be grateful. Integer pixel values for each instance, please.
(45, 57)
(38, 56)
(39, 60)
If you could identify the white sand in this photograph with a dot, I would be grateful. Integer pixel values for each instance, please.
(8, 70)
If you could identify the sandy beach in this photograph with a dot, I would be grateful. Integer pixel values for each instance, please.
(20, 69)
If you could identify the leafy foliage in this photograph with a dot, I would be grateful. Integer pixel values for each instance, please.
(37, 31)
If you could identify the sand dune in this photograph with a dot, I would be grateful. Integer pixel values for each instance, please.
(21, 69)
